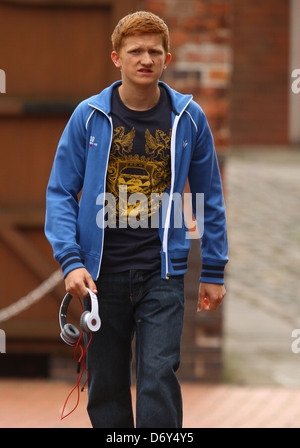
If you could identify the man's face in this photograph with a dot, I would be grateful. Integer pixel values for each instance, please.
(142, 59)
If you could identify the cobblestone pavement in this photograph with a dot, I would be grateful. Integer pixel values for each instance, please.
(262, 306)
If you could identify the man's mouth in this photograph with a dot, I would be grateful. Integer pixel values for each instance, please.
(145, 70)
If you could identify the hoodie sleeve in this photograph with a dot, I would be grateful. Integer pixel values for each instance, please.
(64, 185)
(204, 177)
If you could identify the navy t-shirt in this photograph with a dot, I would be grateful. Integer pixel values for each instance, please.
(139, 166)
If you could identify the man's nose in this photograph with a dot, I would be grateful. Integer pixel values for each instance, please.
(146, 59)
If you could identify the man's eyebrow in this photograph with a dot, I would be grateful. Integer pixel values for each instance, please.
(142, 47)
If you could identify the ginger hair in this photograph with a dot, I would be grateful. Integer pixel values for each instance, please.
(137, 23)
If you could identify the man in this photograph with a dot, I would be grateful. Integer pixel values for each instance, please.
(135, 141)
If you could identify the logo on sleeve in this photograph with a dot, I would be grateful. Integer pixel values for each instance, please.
(92, 142)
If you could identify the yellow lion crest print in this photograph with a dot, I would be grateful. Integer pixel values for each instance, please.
(135, 173)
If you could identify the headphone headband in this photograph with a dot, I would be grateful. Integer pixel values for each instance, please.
(89, 320)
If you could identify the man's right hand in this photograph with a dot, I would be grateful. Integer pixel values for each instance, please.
(77, 282)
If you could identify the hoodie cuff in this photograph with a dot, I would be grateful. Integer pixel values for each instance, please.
(70, 262)
(212, 274)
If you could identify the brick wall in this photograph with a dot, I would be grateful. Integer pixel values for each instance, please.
(260, 82)
(200, 32)
(233, 55)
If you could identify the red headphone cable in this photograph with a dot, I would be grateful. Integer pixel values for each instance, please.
(80, 367)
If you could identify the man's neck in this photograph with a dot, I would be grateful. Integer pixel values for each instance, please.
(139, 99)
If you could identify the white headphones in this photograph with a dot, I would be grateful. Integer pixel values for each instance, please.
(89, 320)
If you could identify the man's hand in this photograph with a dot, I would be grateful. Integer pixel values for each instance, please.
(210, 296)
(77, 281)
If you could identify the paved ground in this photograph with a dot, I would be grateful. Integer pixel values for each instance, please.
(263, 303)
(262, 308)
(38, 404)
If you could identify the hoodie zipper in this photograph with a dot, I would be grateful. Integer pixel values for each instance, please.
(168, 214)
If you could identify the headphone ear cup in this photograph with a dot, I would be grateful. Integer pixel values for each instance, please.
(84, 321)
(70, 334)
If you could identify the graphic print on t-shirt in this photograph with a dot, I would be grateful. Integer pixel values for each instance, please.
(130, 173)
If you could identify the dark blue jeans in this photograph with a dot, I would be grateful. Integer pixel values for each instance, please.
(142, 303)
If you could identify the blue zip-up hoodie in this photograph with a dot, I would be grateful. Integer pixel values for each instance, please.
(80, 165)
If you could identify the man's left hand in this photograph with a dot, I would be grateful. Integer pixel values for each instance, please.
(210, 296)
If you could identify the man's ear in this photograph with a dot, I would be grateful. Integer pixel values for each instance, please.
(167, 60)
(116, 59)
